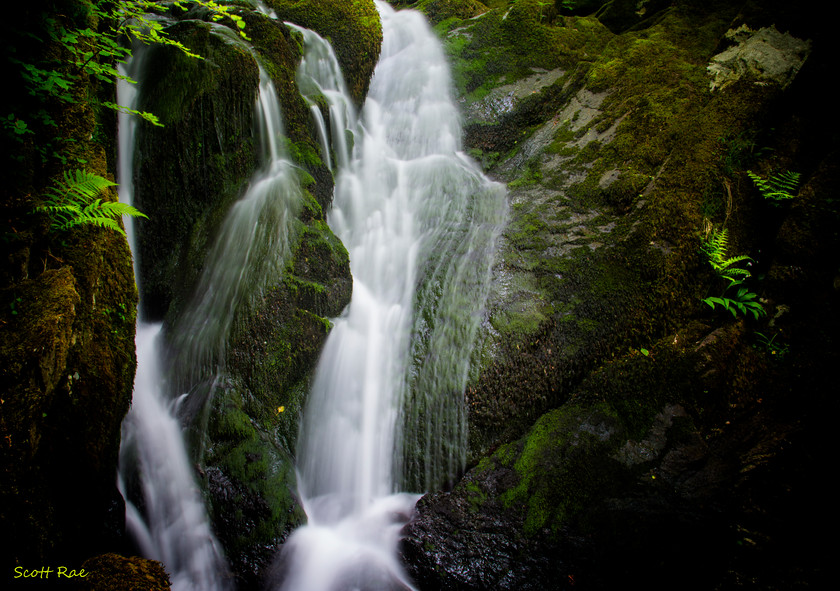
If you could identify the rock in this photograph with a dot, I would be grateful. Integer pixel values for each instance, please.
(112, 572)
(766, 54)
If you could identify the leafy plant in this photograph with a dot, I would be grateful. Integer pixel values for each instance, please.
(770, 345)
(777, 188)
(741, 300)
(74, 202)
(715, 248)
(95, 53)
(738, 151)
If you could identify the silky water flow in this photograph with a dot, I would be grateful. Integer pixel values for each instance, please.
(386, 411)
(166, 517)
(420, 222)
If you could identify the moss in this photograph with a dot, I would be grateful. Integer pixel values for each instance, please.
(205, 152)
(561, 465)
(441, 12)
(66, 362)
(506, 44)
(252, 481)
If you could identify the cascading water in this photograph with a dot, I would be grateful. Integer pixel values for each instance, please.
(319, 75)
(172, 526)
(419, 221)
(252, 246)
(170, 523)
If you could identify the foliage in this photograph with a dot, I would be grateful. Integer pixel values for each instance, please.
(742, 299)
(770, 345)
(777, 188)
(74, 202)
(91, 52)
(738, 150)
(85, 46)
(715, 248)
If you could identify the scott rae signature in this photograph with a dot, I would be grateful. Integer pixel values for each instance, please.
(47, 572)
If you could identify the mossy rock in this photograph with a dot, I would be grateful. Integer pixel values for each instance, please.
(600, 253)
(254, 420)
(67, 309)
(352, 28)
(251, 484)
(112, 572)
(438, 11)
(190, 171)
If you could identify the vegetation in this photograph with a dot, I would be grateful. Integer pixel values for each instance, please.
(93, 51)
(87, 44)
(778, 187)
(74, 202)
(742, 299)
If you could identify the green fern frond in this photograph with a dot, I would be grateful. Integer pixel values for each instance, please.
(74, 202)
(778, 187)
(744, 301)
(84, 187)
(733, 273)
(715, 246)
(733, 260)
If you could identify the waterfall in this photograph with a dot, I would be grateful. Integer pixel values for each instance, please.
(169, 523)
(419, 221)
(252, 246)
(319, 75)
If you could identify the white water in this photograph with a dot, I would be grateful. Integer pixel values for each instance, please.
(172, 525)
(320, 75)
(169, 523)
(419, 221)
(414, 214)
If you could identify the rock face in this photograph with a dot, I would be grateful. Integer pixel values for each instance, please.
(67, 302)
(112, 572)
(620, 430)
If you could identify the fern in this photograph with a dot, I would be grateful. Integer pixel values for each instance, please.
(715, 248)
(744, 301)
(777, 188)
(74, 202)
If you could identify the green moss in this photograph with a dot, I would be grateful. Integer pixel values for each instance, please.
(562, 464)
(505, 44)
(258, 500)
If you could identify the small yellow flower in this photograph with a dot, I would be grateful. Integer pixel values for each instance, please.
(281, 409)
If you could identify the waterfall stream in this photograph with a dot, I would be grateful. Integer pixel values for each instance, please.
(419, 221)
(170, 524)
(386, 412)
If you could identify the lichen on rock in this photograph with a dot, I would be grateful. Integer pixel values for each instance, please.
(765, 54)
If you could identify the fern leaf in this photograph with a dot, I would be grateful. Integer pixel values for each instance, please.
(81, 185)
(735, 271)
(102, 222)
(115, 209)
(715, 246)
(778, 187)
(736, 259)
(73, 202)
(787, 181)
